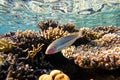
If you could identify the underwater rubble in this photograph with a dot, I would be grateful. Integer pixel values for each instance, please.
(22, 53)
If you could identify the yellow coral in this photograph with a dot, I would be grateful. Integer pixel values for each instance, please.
(53, 33)
(45, 77)
(105, 39)
(1, 58)
(5, 45)
(68, 52)
(27, 33)
(59, 75)
(55, 74)
(33, 52)
(90, 34)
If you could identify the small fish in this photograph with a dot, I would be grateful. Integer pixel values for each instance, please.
(61, 43)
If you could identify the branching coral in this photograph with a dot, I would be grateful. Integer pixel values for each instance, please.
(54, 75)
(90, 34)
(54, 33)
(33, 52)
(107, 29)
(6, 45)
(44, 25)
(27, 33)
(26, 38)
(69, 27)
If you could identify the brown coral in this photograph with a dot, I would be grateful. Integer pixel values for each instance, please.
(107, 29)
(69, 27)
(44, 25)
(33, 52)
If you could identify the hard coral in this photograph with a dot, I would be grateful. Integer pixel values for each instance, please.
(68, 52)
(26, 38)
(54, 75)
(99, 58)
(101, 51)
(33, 52)
(69, 27)
(27, 34)
(1, 58)
(44, 25)
(90, 34)
(6, 45)
(106, 29)
(105, 39)
(54, 33)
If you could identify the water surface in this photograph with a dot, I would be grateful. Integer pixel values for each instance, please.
(25, 14)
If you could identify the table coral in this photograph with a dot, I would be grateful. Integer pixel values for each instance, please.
(100, 52)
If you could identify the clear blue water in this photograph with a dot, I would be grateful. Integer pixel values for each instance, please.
(24, 18)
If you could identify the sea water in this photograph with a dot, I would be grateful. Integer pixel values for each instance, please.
(26, 14)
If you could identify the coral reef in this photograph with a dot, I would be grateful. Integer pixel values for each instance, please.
(54, 75)
(22, 53)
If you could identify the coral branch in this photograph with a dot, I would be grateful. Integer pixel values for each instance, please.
(33, 52)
